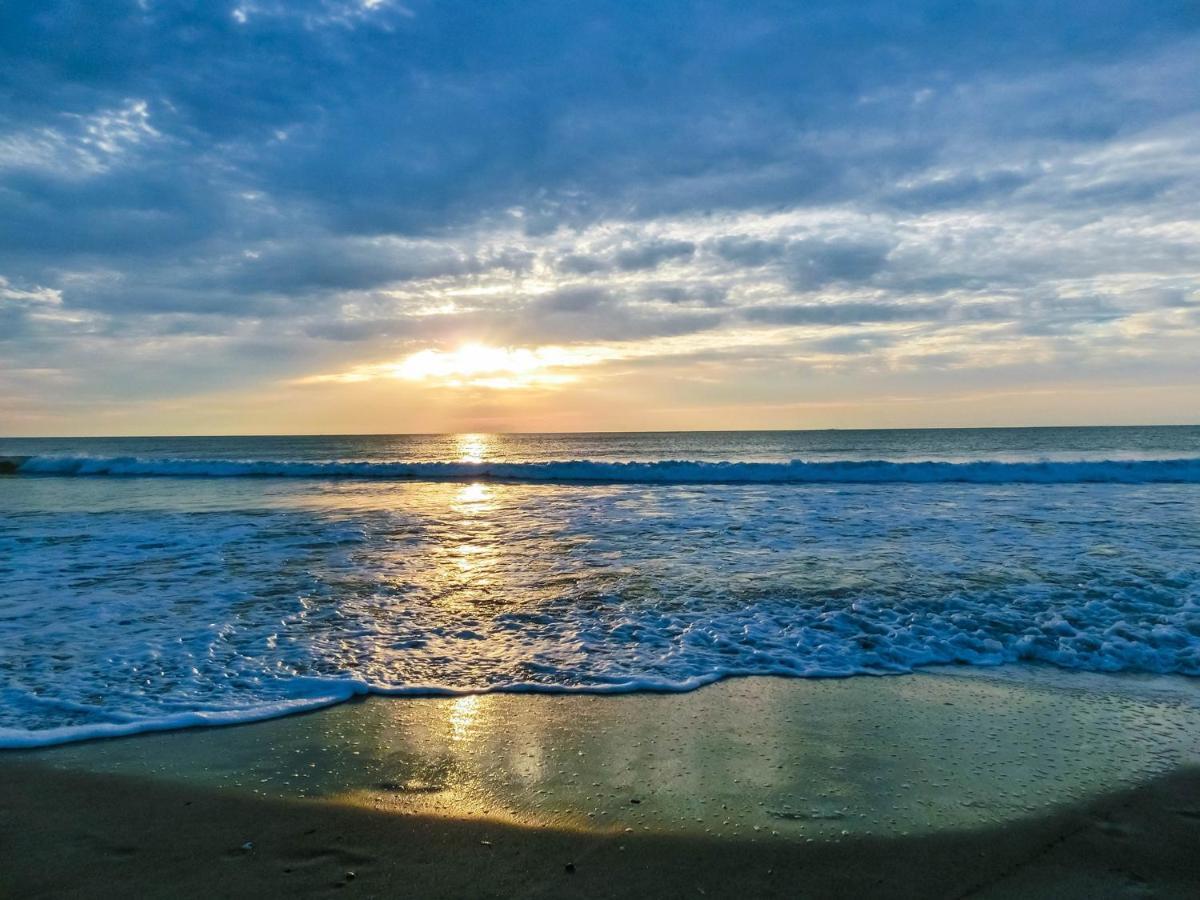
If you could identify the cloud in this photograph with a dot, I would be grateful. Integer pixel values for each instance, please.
(585, 313)
(638, 256)
(813, 264)
(347, 264)
(653, 254)
(957, 189)
(747, 251)
(846, 313)
(852, 344)
(581, 264)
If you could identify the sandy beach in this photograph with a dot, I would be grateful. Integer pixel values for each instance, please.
(70, 834)
(917, 786)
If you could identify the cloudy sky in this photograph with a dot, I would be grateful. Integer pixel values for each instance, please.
(375, 216)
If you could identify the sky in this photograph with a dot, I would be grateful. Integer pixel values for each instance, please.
(369, 216)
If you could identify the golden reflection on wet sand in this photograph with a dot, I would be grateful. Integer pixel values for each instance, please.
(463, 712)
(757, 758)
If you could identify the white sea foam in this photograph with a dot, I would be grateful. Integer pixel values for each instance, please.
(171, 603)
(1142, 471)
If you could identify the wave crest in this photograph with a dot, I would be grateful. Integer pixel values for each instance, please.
(1158, 471)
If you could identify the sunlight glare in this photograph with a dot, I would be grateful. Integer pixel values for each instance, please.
(478, 365)
(462, 716)
(472, 494)
(472, 447)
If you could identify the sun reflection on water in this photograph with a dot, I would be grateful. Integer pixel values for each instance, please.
(470, 496)
(476, 549)
(472, 447)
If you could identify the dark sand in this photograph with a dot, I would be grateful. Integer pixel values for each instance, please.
(919, 786)
(78, 834)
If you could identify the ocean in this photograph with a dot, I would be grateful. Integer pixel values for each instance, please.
(150, 583)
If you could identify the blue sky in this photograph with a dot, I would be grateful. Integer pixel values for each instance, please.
(270, 216)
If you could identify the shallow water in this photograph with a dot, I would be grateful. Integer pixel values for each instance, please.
(129, 603)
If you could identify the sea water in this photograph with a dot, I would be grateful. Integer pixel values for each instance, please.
(161, 582)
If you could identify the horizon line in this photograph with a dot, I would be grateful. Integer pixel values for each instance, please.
(382, 434)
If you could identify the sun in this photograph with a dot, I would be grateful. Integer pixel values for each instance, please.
(468, 361)
(479, 365)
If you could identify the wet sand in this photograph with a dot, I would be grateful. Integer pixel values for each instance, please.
(921, 786)
(73, 834)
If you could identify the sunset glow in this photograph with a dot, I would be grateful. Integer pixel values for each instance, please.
(964, 234)
(478, 364)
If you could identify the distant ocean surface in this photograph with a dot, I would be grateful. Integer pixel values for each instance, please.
(162, 582)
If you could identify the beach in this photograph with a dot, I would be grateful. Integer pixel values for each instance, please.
(873, 664)
(932, 785)
(641, 450)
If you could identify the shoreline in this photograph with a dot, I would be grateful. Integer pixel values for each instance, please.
(1032, 674)
(1002, 783)
(780, 757)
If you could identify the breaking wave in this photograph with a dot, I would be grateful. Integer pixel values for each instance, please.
(1157, 471)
